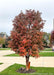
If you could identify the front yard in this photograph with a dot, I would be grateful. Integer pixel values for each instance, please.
(39, 70)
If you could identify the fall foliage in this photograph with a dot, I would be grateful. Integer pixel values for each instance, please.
(26, 34)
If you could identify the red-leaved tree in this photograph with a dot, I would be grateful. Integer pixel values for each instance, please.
(26, 36)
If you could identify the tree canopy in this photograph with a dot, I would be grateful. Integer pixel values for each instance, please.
(26, 34)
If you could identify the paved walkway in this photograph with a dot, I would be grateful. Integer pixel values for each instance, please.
(36, 62)
(46, 51)
(5, 52)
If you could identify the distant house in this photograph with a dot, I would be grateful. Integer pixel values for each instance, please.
(4, 36)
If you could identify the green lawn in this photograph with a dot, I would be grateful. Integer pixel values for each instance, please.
(1, 63)
(41, 54)
(46, 53)
(5, 48)
(12, 55)
(39, 70)
(47, 49)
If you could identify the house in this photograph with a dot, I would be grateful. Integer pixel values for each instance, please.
(4, 36)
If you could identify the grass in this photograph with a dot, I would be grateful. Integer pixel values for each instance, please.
(1, 63)
(39, 70)
(12, 55)
(41, 54)
(46, 53)
(47, 49)
(5, 48)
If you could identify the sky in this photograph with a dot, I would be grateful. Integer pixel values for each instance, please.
(10, 8)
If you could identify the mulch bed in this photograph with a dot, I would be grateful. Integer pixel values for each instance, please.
(23, 70)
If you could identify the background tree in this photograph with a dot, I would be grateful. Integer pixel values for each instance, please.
(46, 39)
(7, 41)
(26, 36)
(2, 41)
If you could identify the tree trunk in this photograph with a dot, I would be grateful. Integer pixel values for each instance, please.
(27, 62)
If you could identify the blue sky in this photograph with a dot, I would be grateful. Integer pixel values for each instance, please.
(10, 8)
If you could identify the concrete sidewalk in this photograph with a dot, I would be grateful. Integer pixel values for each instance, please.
(36, 62)
(46, 51)
(5, 52)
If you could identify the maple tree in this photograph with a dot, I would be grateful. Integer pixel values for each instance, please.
(26, 35)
